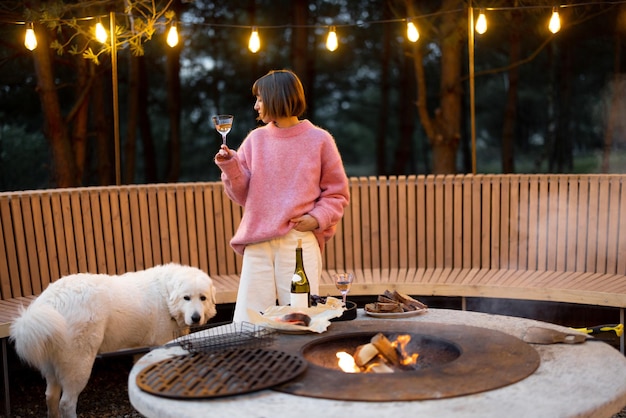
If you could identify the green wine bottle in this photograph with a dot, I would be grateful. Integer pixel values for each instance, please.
(300, 288)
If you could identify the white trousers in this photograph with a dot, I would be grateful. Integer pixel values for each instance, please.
(267, 269)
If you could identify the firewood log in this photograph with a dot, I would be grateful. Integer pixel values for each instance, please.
(386, 349)
(365, 353)
(408, 301)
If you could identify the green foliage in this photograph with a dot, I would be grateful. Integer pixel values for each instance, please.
(23, 159)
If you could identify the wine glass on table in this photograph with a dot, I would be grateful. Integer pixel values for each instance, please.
(223, 124)
(343, 282)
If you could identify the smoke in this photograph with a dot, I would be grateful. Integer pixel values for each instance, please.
(613, 119)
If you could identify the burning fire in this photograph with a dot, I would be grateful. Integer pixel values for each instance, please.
(406, 359)
(346, 363)
(378, 356)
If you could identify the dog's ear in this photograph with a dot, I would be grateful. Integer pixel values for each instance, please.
(172, 287)
(214, 294)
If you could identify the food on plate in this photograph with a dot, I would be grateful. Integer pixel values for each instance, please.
(295, 318)
(318, 300)
(395, 302)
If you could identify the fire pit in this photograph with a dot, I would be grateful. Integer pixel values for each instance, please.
(454, 360)
(571, 381)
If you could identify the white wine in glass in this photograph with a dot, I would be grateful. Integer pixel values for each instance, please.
(343, 282)
(223, 124)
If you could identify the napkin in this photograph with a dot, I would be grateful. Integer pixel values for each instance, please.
(320, 316)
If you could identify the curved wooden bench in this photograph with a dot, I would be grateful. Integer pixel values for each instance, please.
(555, 238)
(559, 238)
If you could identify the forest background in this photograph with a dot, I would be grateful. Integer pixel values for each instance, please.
(544, 102)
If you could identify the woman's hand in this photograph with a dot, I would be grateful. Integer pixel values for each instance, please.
(224, 154)
(305, 223)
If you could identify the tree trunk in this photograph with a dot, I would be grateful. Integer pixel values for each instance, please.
(562, 159)
(383, 114)
(404, 152)
(145, 126)
(613, 116)
(102, 124)
(302, 59)
(443, 129)
(55, 129)
(510, 109)
(79, 116)
(130, 147)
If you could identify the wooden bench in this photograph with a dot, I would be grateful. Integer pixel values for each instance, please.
(559, 238)
(539, 237)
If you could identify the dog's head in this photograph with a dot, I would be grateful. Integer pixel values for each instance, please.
(191, 296)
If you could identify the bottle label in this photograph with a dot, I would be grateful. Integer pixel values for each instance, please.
(300, 300)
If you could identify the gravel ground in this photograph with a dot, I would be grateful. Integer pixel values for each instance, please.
(106, 394)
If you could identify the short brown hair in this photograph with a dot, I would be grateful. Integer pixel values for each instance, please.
(282, 94)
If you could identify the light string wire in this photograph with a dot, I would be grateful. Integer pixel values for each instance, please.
(360, 23)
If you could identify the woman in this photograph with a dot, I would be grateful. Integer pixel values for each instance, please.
(289, 177)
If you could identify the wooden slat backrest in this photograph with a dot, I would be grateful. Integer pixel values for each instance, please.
(47, 234)
(393, 225)
(559, 240)
(374, 232)
(603, 206)
(581, 227)
(612, 223)
(403, 232)
(9, 268)
(393, 222)
(382, 199)
(621, 233)
(504, 230)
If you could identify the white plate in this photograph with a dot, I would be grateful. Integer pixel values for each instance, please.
(395, 314)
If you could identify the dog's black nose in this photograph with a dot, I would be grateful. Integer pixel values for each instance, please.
(195, 318)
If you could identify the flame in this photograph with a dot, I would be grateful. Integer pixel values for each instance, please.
(346, 362)
(379, 364)
(401, 343)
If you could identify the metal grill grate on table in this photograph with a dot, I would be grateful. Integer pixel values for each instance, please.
(217, 374)
(233, 335)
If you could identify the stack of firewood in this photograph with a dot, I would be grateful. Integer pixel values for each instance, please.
(395, 302)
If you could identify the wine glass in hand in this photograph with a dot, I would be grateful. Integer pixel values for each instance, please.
(223, 123)
(343, 282)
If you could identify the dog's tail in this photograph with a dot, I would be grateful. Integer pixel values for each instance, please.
(39, 328)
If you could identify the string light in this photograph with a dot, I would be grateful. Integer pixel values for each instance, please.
(30, 40)
(172, 35)
(411, 31)
(413, 35)
(331, 40)
(481, 22)
(101, 33)
(555, 21)
(254, 44)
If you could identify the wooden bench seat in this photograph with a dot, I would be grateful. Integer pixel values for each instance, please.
(559, 238)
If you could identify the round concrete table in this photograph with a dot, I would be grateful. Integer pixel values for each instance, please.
(573, 380)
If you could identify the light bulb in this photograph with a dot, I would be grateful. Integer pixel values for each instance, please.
(255, 42)
(555, 22)
(481, 23)
(331, 41)
(101, 33)
(172, 36)
(411, 31)
(30, 40)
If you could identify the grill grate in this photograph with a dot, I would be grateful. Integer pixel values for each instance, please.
(217, 374)
(233, 335)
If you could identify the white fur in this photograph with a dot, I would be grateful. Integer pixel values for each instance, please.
(81, 315)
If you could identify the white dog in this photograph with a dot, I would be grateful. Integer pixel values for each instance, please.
(81, 315)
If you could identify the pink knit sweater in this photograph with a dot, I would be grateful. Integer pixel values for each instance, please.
(282, 173)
